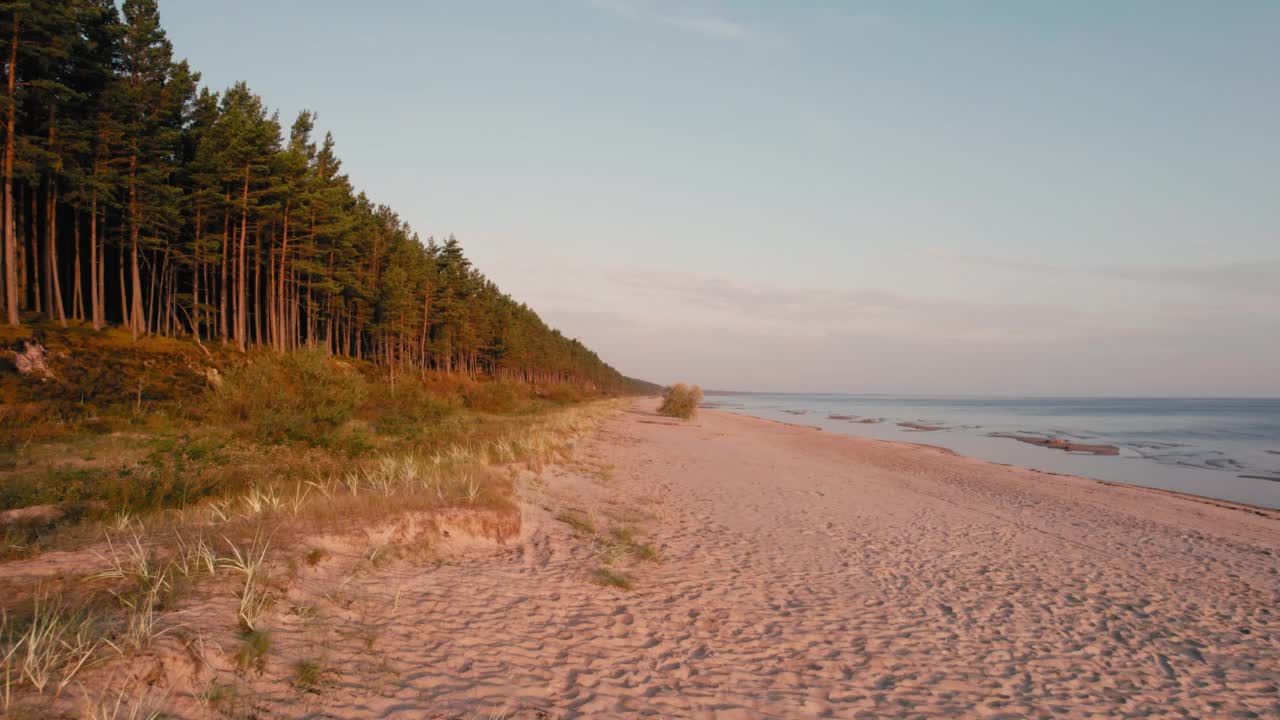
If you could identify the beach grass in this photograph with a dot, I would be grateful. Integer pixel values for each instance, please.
(218, 490)
(308, 675)
(580, 521)
(613, 578)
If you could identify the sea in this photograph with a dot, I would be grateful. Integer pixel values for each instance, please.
(1224, 448)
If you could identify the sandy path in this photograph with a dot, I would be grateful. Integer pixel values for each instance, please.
(814, 575)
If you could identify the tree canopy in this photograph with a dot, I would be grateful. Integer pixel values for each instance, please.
(134, 196)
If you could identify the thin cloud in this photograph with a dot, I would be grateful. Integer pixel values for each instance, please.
(618, 7)
(705, 25)
(1255, 277)
(712, 27)
(988, 261)
(738, 332)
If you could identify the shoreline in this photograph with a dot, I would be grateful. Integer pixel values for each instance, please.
(1209, 499)
(743, 567)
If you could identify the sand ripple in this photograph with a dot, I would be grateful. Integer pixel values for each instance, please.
(809, 575)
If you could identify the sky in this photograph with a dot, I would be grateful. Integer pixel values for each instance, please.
(992, 197)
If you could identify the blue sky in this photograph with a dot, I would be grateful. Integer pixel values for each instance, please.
(1012, 197)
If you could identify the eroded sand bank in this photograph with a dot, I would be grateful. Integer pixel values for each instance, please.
(807, 574)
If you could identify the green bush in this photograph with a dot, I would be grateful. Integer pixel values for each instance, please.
(563, 394)
(409, 408)
(498, 397)
(681, 401)
(179, 471)
(301, 396)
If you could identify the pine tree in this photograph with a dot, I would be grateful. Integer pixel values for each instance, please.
(133, 196)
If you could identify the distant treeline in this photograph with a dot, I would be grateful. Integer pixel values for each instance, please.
(133, 196)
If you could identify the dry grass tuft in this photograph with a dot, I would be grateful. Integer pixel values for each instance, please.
(57, 642)
(308, 675)
(623, 545)
(613, 578)
(581, 522)
(255, 596)
(130, 702)
(681, 401)
(254, 646)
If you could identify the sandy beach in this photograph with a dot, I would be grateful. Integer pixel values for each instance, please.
(805, 574)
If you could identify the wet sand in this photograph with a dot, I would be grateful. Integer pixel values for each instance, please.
(808, 574)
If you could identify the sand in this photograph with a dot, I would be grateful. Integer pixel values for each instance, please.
(807, 574)
(802, 574)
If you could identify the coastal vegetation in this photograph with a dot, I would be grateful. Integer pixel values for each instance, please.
(222, 366)
(213, 480)
(680, 401)
(219, 355)
(135, 197)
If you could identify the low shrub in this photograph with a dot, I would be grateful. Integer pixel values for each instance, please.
(301, 396)
(409, 408)
(499, 397)
(178, 471)
(562, 394)
(681, 401)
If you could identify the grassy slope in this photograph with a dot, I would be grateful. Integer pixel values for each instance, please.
(137, 428)
(184, 465)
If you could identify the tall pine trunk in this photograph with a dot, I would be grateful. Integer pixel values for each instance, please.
(261, 286)
(124, 295)
(98, 264)
(10, 236)
(77, 295)
(280, 288)
(242, 289)
(135, 309)
(222, 287)
(52, 284)
(28, 225)
(195, 279)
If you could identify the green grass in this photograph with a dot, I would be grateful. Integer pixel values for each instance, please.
(622, 545)
(308, 675)
(613, 578)
(254, 646)
(221, 697)
(288, 447)
(303, 396)
(499, 397)
(410, 410)
(578, 520)
(92, 452)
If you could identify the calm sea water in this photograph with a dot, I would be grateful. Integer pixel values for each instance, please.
(1221, 448)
